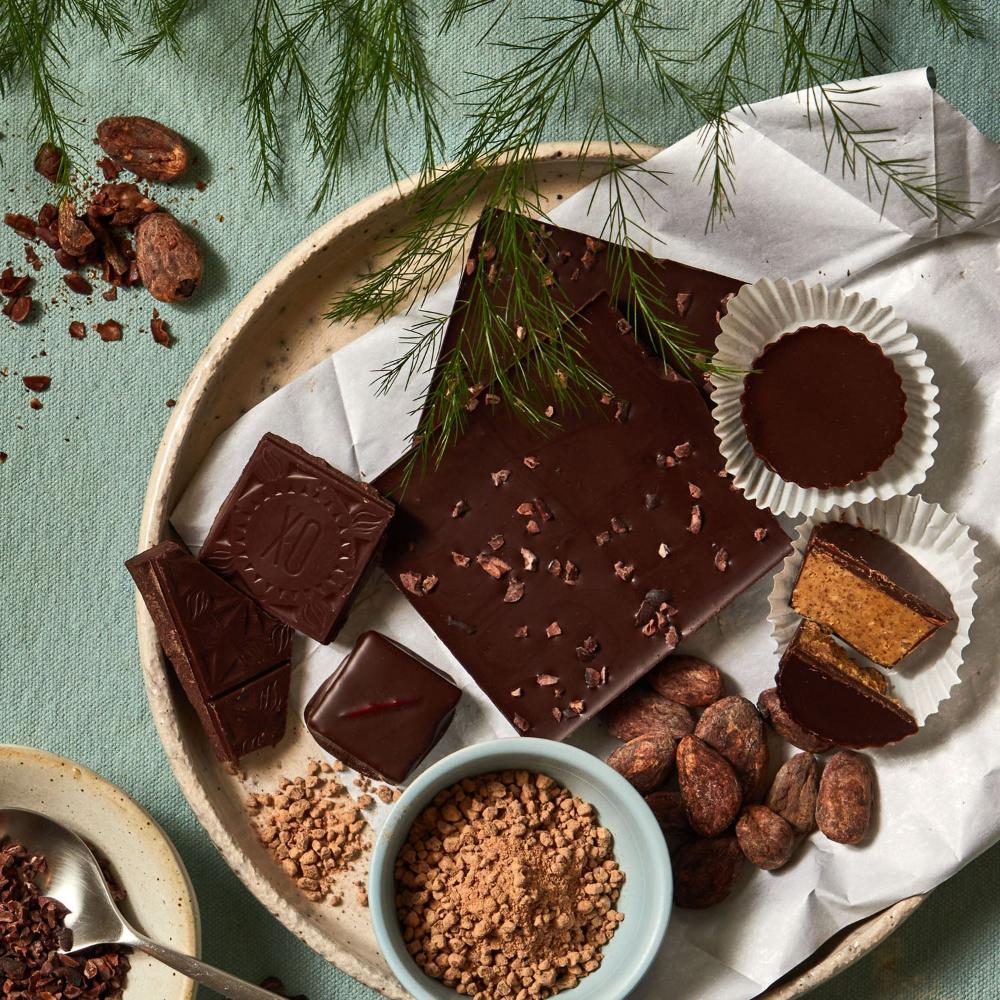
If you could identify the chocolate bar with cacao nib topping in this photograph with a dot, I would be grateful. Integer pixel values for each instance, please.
(560, 568)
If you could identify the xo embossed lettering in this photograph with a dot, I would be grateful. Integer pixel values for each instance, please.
(289, 549)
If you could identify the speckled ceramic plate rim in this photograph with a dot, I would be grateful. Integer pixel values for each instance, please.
(153, 528)
(139, 822)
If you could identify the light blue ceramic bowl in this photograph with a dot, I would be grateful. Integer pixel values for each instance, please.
(639, 848)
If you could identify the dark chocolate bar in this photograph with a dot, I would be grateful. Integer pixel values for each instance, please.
(383, 709)
(297, 535)
(560, 569)
(231, 658)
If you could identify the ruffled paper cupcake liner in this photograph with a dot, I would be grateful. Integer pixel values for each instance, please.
(760, 314)
(944, 547)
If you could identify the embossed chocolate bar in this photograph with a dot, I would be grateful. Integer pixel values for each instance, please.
(297, 535)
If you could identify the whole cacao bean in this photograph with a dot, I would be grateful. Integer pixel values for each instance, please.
(710, 789)
(687, 680)
(793, 793)
(168, 258)
(734, 728)
(668, 809)
(640, 711)
(786, 727)
(846, 796)
(764, 837)
(146, 147)
(705, 871)
(645, 761)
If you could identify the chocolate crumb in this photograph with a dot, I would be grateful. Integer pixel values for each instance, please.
(460, 625)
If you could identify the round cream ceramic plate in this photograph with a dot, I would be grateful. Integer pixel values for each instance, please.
(160, 898)
(245, 362)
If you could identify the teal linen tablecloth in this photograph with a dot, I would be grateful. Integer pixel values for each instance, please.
(72, 488)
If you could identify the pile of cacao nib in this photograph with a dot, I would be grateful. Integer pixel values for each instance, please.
(115, 232)
(31, 930)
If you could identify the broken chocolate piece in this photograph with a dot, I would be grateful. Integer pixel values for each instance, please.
(231, 658)
(869, 592)
(833, 697)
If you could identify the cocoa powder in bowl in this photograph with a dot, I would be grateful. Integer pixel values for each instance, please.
(506, 887)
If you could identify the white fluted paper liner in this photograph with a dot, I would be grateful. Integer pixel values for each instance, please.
(944, 547)
(761, 313)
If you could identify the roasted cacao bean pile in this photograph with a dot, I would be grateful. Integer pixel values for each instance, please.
(31, 930)
(723, 807)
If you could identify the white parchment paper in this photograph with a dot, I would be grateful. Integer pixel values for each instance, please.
(938, 790)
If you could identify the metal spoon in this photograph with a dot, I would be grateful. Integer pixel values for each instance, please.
(76, 881)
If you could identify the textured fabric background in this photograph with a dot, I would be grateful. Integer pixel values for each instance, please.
(71, 491)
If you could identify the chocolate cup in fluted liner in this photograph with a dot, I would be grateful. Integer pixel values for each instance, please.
(761, 314)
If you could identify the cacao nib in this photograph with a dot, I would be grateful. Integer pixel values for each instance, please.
(78, 283)
(36, 383)
(21, 224)
(48, 161)
(160, 331)
(110, 330)
(77, 330)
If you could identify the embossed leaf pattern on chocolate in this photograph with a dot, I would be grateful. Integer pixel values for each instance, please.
(220, 558)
